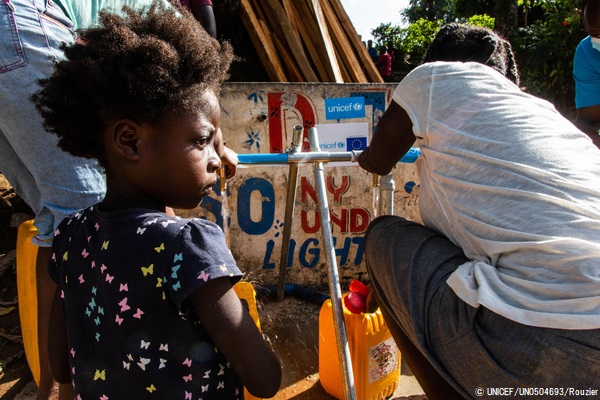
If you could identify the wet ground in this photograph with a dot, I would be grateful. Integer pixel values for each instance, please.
(293, 327)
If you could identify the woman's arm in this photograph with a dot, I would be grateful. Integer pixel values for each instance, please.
(392, 139)
(231, 327)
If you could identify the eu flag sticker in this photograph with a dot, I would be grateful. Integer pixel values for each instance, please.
(345, 107)
(356, 143)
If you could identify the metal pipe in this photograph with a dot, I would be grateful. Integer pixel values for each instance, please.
(315, 156)
(375, 180)
(285, 158)
(332, 272)
(222, 179)
(290, 203)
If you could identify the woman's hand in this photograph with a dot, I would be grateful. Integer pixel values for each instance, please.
(372, 300)
(229, 159)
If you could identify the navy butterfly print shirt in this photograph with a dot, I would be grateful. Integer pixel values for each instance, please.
(123, 279)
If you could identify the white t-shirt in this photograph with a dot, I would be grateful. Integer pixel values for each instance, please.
(516, 186)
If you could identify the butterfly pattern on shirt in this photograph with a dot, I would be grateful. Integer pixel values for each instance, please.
(123, 281)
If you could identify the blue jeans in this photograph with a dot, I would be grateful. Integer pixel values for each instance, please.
(52, 182)
(473, 349)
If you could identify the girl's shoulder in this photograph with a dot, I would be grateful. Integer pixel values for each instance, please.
(133, 224)
(192, 240)
(142, 228)
(182, 228)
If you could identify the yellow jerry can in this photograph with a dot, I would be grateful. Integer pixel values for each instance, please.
(27, 295)
(246, 292)
(375, 356)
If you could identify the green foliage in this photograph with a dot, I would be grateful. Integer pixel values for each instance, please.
(386, 34)
(545, 51)
(416, 38)
(430, 10)
(411, 43)
(391, 36)
(544, 48)
(481, 20)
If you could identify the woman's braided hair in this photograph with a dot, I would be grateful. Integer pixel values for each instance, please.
(146, 65)
(457, 42)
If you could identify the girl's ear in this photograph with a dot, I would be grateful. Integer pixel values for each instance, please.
(125, 137)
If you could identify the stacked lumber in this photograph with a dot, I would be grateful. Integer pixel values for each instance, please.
(307, 41)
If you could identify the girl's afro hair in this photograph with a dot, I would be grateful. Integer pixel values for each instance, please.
(146, 65)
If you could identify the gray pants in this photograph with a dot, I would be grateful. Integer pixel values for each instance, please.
(456, 350)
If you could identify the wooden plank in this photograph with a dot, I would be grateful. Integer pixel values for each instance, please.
(327, 42)
(269, 17)
(262, 43)
(348, 77)
(259, 11)
(269, 24)
(307, 27)
(312, 39)
(369, 67)
(343, 46)
(293, 73)
(297, 52)
(307, 40)
(288, 7)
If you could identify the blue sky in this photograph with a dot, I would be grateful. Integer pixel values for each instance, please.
(369, 14)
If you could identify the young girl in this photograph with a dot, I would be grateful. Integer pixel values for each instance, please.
(144, 301)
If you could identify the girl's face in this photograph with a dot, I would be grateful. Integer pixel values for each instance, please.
(181, 164)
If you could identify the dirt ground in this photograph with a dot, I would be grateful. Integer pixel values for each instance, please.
(291, 326)
(14, 371)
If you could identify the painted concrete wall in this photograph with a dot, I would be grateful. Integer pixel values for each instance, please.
(259, 118)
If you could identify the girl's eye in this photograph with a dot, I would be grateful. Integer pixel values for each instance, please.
(201, 142)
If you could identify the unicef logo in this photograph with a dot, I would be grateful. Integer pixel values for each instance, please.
(347, 107)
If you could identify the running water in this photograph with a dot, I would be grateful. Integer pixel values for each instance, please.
(224, 204)
(376, 196)
(225, 215)
(375, 201)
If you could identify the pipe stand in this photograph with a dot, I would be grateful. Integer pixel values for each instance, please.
(290, 203)
(332, 272)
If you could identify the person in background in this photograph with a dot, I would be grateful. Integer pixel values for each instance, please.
(586, 73)
(204, 13)
(392, 51)
(139, 93)
(372, 51)
(53, 183)
(384, 64)
(501, 279)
